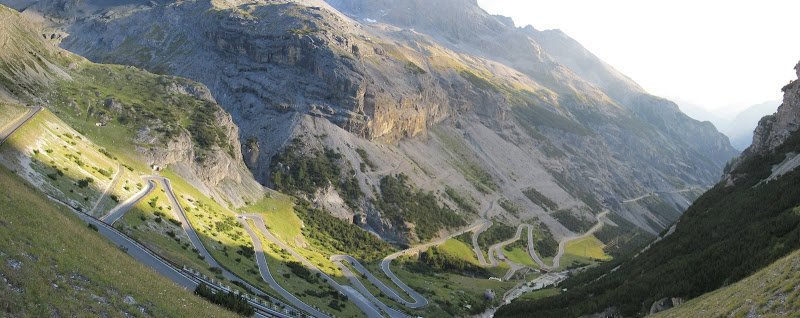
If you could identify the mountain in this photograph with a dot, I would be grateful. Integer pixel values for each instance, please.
(52, 263)
(740, 129)
(695, 111)
(462, 100)
(178, 121)
(743, 224)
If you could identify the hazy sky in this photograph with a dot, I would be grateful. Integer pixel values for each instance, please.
(721, 55)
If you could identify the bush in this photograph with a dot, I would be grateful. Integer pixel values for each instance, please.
(107, 154)
(176, 222)
(571, 221)
(231, 301)
(85, 182)
(540, 199)
(400, 203)
(414, 68)
(496, 233)
(293, 172)
(434, 261)
(510, 206)
(460, 201)
(365, 157)
(301, 271)
(337, 236)
(246, 251)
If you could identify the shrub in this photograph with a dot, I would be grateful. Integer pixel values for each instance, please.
(85, 182)
(231, 301)
(400, 203)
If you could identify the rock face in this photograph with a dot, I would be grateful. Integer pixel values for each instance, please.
(664, 304)
(773, 130)
(466, 100)
(218, 173)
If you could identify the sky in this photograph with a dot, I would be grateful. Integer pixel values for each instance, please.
(722, 56)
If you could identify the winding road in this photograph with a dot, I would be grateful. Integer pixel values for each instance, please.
(120, 210)
(263, 268)
(177, 210)
(131, 247)
(564, 241)
(360, 300)
(496, 249)
(353, 278)
(486, 225)
(419, 301)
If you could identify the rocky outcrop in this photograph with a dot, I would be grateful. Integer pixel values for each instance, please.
(773, 130)
(217, 172)
(665, 304)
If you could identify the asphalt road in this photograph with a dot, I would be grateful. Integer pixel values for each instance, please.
(136, 251)
(419, 301)
(495, 249)
(177, 210)
(263, 267)
(131, 247)
(564, 241)
(353, 278)
(353, 295)
(475, 247)
(12, 127)
(118, 211)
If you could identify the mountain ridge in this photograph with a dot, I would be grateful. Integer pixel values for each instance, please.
(391, 84)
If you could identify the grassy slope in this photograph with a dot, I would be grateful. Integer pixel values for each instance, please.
(460, 250)
(45, 145)
(773, 291)
(63, 264)
(282, 221)
(9, 112)
(589, 247)
(519, 255)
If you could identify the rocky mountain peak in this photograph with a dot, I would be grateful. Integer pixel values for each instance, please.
(773, 130)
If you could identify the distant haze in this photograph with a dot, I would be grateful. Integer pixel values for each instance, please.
(722, 56)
